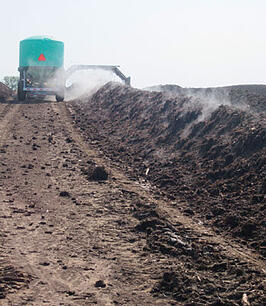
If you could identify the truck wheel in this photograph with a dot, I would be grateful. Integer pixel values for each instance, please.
(59, 98)
(60, 95)
(21, 92)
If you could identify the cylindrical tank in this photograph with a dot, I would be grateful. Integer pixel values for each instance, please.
(41, 51)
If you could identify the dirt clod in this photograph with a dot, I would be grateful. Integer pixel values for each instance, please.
(64, 194)
(99, 174)
(100, 284)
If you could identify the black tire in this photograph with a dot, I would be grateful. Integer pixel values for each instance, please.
(60, 95)
(59, 98)
(21, 92)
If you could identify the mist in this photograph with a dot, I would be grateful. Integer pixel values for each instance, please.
(87, 82)
(202, 101)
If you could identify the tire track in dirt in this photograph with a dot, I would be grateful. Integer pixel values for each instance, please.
(11, 277)
(6, 115)
(111, 220)
(24, 251)
(3, 109)
(63, 231)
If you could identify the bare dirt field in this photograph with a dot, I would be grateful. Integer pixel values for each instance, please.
(132, 197)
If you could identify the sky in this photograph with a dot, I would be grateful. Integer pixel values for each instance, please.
(191, 43)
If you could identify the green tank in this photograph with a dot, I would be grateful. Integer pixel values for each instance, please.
(41, 51)
(41, 67)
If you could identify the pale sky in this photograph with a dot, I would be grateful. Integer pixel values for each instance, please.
(191, 43)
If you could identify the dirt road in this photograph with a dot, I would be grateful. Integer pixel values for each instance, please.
(69, 239)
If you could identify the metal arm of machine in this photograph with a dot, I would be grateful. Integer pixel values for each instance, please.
(114, 69)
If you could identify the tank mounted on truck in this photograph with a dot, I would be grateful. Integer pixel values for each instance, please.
(41, 68)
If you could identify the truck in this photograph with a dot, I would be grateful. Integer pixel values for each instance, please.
(41, 68)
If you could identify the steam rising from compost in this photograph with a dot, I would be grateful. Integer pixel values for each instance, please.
(87, 82)
(202, 100)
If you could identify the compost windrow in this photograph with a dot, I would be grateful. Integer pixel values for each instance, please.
(206, 152)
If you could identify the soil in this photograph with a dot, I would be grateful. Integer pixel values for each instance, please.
(5, 92)
(210, 159)
(131, 197)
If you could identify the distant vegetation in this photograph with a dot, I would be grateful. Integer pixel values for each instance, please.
(11, 82)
